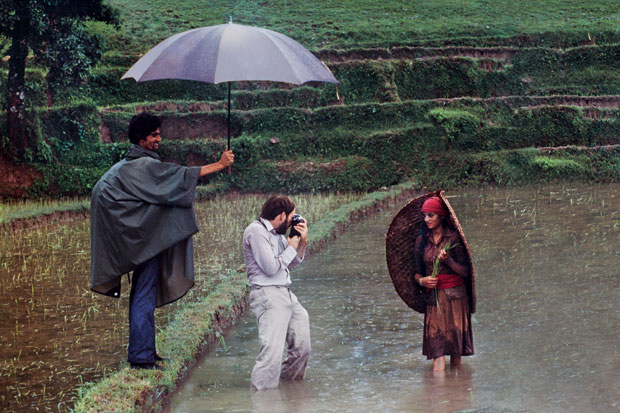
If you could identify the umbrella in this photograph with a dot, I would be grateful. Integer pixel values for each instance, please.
(399, 242)
(230, 52)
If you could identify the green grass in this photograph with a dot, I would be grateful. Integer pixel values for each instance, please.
(26, 209)
(352, 23)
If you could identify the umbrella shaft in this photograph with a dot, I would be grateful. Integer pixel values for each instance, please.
(228, 147)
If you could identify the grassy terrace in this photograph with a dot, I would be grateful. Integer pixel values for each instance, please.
(442, 101)
(331, 24)
(34, 209)
(434, 78)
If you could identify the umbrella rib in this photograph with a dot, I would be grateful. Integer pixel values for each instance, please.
(217, 54)
(153, 64)
(277, 42)
(283, 40)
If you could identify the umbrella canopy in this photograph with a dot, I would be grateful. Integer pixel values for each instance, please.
(399, 245)
(230, 52)
(227, 53)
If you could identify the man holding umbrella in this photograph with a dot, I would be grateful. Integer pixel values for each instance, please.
(214, 54)
(142, 220)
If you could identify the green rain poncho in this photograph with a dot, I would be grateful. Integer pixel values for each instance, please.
(139, 208)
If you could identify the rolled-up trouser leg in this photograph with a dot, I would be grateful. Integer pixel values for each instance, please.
(142, 302)
(298, 343)
(272, 308)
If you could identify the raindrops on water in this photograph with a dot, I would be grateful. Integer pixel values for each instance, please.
(545, 331)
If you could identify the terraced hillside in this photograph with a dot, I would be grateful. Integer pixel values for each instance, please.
(505, 104)
(446, 115)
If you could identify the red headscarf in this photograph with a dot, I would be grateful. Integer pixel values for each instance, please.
(435, 204)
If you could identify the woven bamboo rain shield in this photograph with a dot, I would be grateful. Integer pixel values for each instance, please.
(399, 247)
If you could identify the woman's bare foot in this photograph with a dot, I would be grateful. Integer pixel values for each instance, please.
(455, 361)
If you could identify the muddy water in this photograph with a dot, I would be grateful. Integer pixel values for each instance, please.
(546, 330)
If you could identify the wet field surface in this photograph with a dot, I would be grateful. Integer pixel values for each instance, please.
(55, 334)
(546, 328)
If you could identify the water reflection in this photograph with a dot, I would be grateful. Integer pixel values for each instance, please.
(546, 328)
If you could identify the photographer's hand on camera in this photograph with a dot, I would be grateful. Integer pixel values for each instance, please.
(300, 242)
(293, 242)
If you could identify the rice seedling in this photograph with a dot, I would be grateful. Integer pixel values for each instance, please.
(447, 247)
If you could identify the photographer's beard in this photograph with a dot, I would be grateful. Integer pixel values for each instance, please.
(283, 227)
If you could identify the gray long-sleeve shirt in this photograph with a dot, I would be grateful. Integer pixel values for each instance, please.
(267, 254)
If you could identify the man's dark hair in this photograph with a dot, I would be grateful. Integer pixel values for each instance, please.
(275, 205)
(142, 125)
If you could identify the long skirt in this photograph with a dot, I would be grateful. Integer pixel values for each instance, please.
(447, 330)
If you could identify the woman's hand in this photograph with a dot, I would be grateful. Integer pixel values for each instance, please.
(443, 255)
(428, 282)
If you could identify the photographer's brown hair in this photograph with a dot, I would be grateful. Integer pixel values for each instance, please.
(275, 205)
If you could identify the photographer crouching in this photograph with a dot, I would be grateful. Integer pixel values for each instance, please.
(269, 255)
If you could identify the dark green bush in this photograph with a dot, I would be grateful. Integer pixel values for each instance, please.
(107, 88)
(66, 180)
(552, 126)
(343, 174)
(359, 81)
(72, 124)
(461, 128)
(437, 78)
(533, 60)
(304, 97)
(603, 131)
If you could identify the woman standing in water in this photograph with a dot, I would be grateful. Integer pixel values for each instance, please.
(447, 319)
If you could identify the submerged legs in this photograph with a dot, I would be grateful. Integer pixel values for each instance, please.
(439, 363)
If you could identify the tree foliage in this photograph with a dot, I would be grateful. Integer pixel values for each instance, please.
(53, 32)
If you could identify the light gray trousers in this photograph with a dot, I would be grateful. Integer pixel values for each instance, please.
(281, 320)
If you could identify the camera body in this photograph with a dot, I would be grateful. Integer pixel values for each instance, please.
(296, 220)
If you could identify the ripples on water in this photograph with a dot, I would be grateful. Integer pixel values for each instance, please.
(546, 330)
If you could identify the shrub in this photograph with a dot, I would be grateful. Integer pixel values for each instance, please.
(552, 125)
(437, 78)
(461, 128)
(352, 173)
(559, 167)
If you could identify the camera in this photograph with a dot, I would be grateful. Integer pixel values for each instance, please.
(296, 220)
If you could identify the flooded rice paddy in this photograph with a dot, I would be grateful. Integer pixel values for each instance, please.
(55, 334)
(546, 330)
